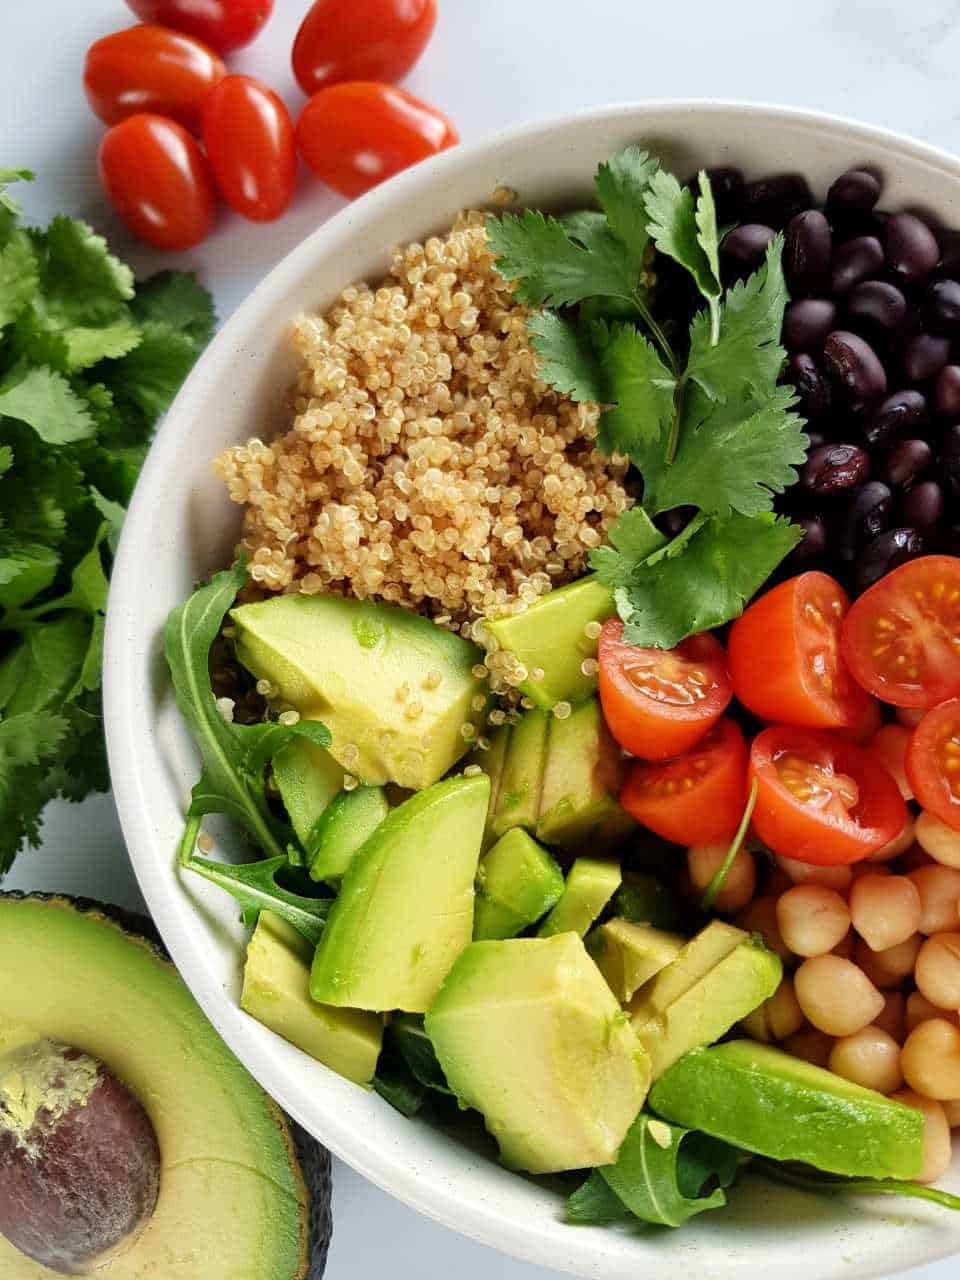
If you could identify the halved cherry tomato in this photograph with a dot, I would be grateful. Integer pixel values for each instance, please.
(222, 24)
(659, 702)
(821, 799)
(150, 69)
(933, 762)
(361, 40)
(251, 146)
(697, 798)
(158, 181)
(901, 639)
(355, 135)
(784, 655)
(868, 724)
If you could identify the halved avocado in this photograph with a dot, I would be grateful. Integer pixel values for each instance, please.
(233, 1203)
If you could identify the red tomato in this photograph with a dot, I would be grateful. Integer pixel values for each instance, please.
(356, 135)
(150, 69)
(361, 40)
(901, 639)
(251, 146)
(785, 659)
(158, 181)
(659, 702)
(698, 798)
(821, 799)
(222, 24)
(868, 724)
(933, 762)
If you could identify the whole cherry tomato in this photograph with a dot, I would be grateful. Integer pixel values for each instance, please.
(361, 40)
(222, 24)
(150, 69)
(158, 181)
(251, 146)
(354, 136)
(933, 762)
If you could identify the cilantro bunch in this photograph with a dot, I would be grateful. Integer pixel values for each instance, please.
(88, 362)
(701, 416)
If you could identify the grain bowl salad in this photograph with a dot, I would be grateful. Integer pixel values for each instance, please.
(587, 685)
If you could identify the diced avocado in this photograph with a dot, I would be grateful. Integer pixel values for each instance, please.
(768, 1102)
(517, 883)
(405, 908)
(349, 819)
(717, 979)
(491, 762)
(591, 883)
(581, 781)
(518, 801)
(276, 981)
(394, 689)
(307, 778)
(628, 955)
(643, 899)
(527, 1032)
(551, 634)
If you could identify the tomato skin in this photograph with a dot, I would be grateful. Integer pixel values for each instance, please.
(354, 136)
(808, 833)
(156, 178)
(361, 40)
(222, 24)
(706, 813)
(912, 613)
(150, 69)
(925, 760)
(636, 713)
(251, 146)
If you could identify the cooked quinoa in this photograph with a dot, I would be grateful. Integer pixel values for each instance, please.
(426, 464)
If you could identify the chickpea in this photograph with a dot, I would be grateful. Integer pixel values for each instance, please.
(914, 859)
(939, 889)
(777, 1018)
(937, 971)
(777, 882)
(885, 910)
(870, 1058)
(941, 842)
(868, 868)
(760, 916)
(846, 946)
(740, 882)
(931, 1059)
(937, 1148)
(887, 968)
(889, 746)
(920, 1009)
(838, 878)
(812, 919)
(951, 1109)
(811, 1045)
(836, 996)
(898, 845)
(891, 1018)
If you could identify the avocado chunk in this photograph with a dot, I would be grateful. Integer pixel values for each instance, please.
(276, 982)
(527, 1032)
(581, 782)
(394, 689)
(591, 883)
(518, 800)
(491, 762)
(517, 883)
(307, 778)
(719, 977)
(765, 1101)
(349, 819)
(628, 955)
(551, 635)
(232, 1201)
(405, 908)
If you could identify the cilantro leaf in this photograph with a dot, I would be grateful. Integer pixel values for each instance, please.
(145, 381)
(27, 744)
(45, 401)
(621, 183)
(641, 388)
(550, 267)
(567, 360)
(7, 201)
(679, 229)
(18, 277)
(177, 299)
(26, 569)
(708, 235)
(632, 539)
(82, 280)
(86, 345)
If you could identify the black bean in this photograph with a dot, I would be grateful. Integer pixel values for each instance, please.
(855, 191)
(834, 468)
(727, 185)
(867, 514)
(905, 463)
(814, 439)
(922, 508)
(941, 307)
(775, 200)
(806, 323)
(893, 417)
(882, 306)
(950, 540)
(887, 551)
(853, 365)
(806, 254)
(946, 390)
(857, 260)
(950, 454)
(742, 249)
(924, 356)
(814, 540)
(911, 247)
(950, 254)
(810, 384)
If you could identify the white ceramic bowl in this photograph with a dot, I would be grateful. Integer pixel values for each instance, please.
(181, 527)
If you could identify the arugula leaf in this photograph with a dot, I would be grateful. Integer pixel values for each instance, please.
(549, 267)
(568, 361)
(687, 233)
(595, 1204)
(44, 400)
(642, 389)
(621, 183)
(407, 1034)
(396, 1085)
(813, 1180)
(632, 539)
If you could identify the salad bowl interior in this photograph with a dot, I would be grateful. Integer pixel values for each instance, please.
(181, 527)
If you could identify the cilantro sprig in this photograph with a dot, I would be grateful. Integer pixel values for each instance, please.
(704, 422)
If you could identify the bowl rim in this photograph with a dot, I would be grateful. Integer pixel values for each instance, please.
(383, 1167)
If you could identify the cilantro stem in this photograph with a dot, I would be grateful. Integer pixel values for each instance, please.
(659, 337)
(716, 884)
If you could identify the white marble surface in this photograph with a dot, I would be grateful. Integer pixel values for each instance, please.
(491, 64)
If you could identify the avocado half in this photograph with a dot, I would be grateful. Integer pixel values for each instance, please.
(243, 1196)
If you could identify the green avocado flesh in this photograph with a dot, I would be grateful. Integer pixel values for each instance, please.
(591, 883)
(491, 762)
(518, 799)
(628, 955)
(232, 1202)
(527, 1032)
(581, 782)
(386, 682)
(346, 823)
(307, 778)
(405, 908)
(517, 883)
(276, 982)
(765, 1101)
